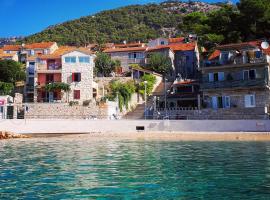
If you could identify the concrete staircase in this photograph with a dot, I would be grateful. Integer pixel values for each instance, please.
(137, 113)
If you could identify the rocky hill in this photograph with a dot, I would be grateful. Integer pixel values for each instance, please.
(131, 23)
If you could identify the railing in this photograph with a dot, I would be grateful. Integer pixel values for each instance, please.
(234, 84)
(236, 61)
(39, 84)
(51, 67)
(30, 88)
(178, 108)
(136, 60)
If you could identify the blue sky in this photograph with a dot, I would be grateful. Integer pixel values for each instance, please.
(25, 17)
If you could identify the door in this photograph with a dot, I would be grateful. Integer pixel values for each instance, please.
(214, 102)
(51, 97)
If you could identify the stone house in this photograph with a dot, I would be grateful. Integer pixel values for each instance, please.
(235, 81)
(127, 54)
(187, 60)
(77, 71)
(70, 65)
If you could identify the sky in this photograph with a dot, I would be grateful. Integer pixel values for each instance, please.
(26, 17)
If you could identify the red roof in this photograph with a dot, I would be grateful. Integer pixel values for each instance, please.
(267, 51)
(160, 47)
(129, 45)
(240, 45)
(11, 47)
(41, 45)
(176, 47)
(176, 40)
(183, 47)
(112, 50)
(214, 55)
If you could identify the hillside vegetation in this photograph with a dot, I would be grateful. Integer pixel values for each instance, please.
(250, 19)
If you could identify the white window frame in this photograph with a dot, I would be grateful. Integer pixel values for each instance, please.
(248, 71)
(84, 59)
(247, 100)
(68, 59)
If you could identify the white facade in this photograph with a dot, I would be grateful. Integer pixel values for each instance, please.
(81, 88)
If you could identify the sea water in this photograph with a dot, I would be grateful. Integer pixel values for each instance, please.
(59, 168)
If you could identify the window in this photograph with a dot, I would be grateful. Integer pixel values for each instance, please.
(49, 78)
(77, 94)
(70, 59)
(218, 76)
(135, 55)
(162, 43)
(76, 77)
(84, 59)
(224, 57)
(249, 74)
(227, 102)
(250, 101)
(221, 102)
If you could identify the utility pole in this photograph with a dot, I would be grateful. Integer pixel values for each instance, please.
(165, 96)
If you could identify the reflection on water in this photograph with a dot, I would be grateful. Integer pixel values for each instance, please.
(59, 168)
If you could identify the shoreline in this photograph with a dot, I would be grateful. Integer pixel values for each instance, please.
(161, 136)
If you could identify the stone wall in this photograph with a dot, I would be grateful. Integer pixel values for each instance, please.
(219, 114)
(64, 111)
(237, 97)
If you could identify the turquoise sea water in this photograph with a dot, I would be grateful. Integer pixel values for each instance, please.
(58, 168)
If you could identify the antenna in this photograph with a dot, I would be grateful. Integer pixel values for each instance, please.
(265, 45)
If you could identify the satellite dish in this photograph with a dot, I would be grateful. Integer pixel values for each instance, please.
(265, 45)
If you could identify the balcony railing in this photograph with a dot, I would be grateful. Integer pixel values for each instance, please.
(48, 68)
(234, 84)
(236, 61)
(136, 60)
(42, 84)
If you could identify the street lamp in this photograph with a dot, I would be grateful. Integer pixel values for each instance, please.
(145, 84)
(165, 96)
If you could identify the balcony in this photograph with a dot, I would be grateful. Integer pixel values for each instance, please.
(238, 61)
(234, 84)
(49, 68)
(43, 84)
(29, 88)
(140, 61)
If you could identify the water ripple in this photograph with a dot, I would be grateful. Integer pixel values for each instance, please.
(59, 168)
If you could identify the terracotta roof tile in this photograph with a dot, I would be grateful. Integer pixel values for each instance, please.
(175, 47)
(63, 50)
(129, 45)
(183, 47)
(239, 45)
(40, 45)
(176, 40)
(58, 53)
(214, 55)
(112, 50)
(11, 47)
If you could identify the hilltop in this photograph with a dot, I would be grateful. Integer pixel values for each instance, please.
(217, 23)
(131, 23)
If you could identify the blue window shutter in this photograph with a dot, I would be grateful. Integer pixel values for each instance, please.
(221, 76)
(211, 77)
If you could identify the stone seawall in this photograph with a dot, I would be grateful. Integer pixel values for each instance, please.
(132, 126)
